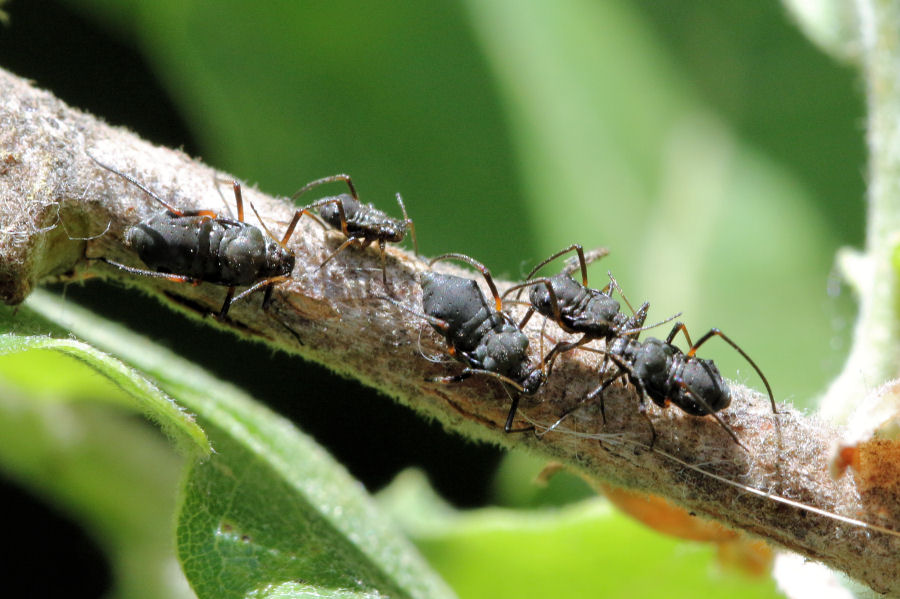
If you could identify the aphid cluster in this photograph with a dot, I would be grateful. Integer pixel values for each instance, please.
(200, 246)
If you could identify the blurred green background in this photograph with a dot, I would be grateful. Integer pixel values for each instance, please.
(710, 146)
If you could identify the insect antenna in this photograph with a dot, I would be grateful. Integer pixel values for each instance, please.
(172, 209)
(281, 242)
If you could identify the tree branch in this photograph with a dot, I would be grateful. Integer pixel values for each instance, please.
(53, 198)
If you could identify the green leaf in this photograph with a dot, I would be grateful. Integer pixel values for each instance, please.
(270, 513)
(583, 550)
(28, 372)
(70, 436)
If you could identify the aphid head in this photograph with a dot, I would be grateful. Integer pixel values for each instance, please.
(279, 259)
(533, 381)
(139, 238)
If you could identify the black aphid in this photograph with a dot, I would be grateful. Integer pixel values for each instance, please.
(478, 333)
(362, 224)
(194, 246)
(575, 307)
(667, 375)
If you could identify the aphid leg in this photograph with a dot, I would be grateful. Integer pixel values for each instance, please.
(289, 329)
(409, 224)
(624, 370)
(511, 416)
(717, 333)
(349, 241)
(679, 327)
(337, 201)
(642, 410)
(269, 284)
(324, 180)
(587, 398)
(381, 245)
(529, 312)
(639, 389)
(229, 297)
(467, 372)
(527, 317)
(239, 200)
(451, 378)
(344, 228)
(475, 264)
(581, 261)
(290, 230)
(514, 407)
(701, 402)
(562, 347)
(554, 302)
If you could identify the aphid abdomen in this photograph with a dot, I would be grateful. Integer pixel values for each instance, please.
(564, 288)
(215, 251)
(503, 350)
(701, 383)
(367, 216)
(368, 222)
(331, 214)
(241, 255)
(172, 244)
(458, 302)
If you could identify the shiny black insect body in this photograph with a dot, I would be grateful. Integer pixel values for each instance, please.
(362, 224)
(478, 333)
(667, 375)
(577, 308)
(194, 246)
